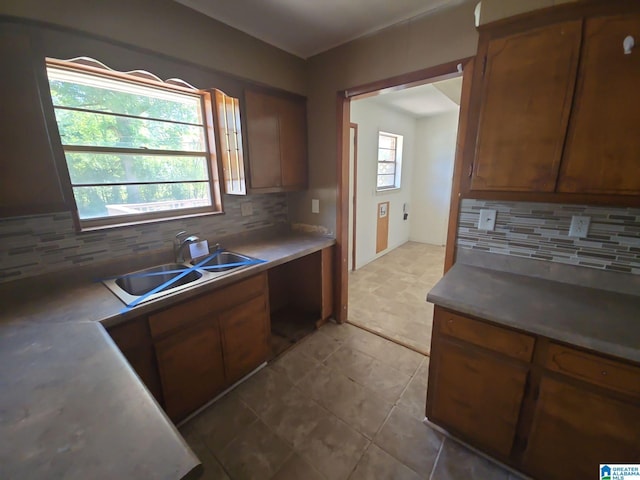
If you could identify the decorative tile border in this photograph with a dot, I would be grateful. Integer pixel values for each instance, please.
(541, 231)
(41, 244)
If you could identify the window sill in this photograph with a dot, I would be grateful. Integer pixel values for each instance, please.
(388, 190)
(132, 223)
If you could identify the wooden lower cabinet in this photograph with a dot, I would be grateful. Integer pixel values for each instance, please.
(134, 341)
(205, 344)
(191, 368)
(478, 395)
(574, 430)
(245, 337)
(550, 410)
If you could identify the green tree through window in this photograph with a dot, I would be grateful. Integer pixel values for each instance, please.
(131, 147)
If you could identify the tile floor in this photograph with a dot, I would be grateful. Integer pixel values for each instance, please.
(388, 295)
(342, 404)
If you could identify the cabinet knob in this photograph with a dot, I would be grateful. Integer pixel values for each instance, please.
(603, 372)
(628, 43)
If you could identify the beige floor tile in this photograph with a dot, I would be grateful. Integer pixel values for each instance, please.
(297, 468)
(379, 465)
(414, 398)
(333, 448)
(340, 332)
(391, 354)
(294, 364)
(356, 405)
(293, 416)
(257, 453)
(319, 346)
(409, 440)
(388, 295)
(212, 470)
(263, 388)
(385, 381)
(458, 463)
(222, 421)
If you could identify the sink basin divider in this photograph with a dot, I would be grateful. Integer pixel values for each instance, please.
(159, 288)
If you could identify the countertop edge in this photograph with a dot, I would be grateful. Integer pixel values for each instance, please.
(573, 338)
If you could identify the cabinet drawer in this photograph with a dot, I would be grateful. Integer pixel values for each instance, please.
(507, 342)
(187, 312)
(591, 368)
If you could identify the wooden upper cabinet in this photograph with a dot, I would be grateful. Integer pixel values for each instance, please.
(603, 144)
(277, 141)
(293, 144)
(263, 137)
(29, 181)
(527, 92)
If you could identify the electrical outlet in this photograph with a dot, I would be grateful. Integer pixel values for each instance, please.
(246, 209)
(579, 226)
(487, 220)
(315, 205)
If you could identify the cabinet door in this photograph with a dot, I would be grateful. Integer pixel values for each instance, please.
(29, 181)
(476, 395)
(293, 143)
(526, 98)
(191, 368)
(601, 155)
(263, 137)
(134, 341)
(245, 337)
(575, 429)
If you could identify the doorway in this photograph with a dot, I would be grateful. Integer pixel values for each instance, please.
(407, 206)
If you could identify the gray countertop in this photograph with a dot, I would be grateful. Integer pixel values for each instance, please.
(593, 318)
(70, 405)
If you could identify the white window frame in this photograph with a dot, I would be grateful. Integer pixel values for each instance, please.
(397, 180)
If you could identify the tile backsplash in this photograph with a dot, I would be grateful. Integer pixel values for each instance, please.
(41, 244)
(541, 231)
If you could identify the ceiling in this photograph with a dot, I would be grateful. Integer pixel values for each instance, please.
(425, 100)
(307, 27)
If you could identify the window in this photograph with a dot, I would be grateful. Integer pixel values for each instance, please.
(136, 148)
(389, 161)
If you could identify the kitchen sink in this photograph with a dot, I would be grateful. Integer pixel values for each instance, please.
(138, 287)
(142, 282)
(224, 261)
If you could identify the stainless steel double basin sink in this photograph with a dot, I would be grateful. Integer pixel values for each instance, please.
(155, 282)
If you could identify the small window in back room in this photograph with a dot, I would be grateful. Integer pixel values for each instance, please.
(136, 148)
(389, 161)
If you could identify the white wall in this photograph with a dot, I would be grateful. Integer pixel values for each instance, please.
(432, 177)
(371, 118)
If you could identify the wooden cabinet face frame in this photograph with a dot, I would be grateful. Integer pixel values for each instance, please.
(512, 26)
(560, 378)
(275, 127)
(35, 162)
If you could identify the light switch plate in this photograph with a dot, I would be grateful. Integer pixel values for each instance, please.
(487, 220)
(315, 205)
(246, 209)
(579, 226)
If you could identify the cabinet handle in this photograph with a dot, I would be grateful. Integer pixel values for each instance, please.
(628, 43)
(603, 372)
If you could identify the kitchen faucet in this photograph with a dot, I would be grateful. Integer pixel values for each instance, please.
(180, 244)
